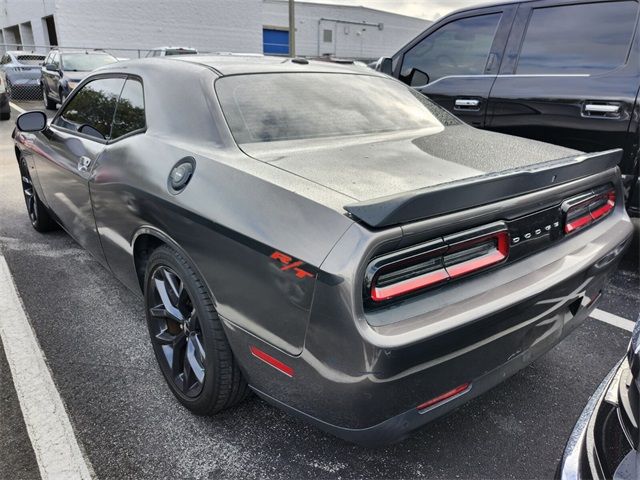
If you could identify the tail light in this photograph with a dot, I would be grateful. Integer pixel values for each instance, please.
(588, 208)
(434, 263)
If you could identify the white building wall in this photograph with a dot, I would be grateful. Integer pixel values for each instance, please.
(17, 12)
(351, 40)
(209, 25)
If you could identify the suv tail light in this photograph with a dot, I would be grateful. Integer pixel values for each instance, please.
(434, 263)
(588, 208)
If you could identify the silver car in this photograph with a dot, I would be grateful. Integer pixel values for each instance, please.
(20, 72)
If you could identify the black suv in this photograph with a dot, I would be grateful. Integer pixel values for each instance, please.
(561, 71)
(63, 70)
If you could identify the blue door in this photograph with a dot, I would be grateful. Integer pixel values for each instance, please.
(275, 42)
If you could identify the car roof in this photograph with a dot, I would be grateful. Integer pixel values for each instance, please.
(497, 4)
(86, 52)
(246, 64)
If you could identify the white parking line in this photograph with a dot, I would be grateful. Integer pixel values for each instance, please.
(612, 319)
(54, 443)
(17, 108)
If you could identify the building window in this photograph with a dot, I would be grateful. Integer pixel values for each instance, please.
(50, 29)
(26, 32)
(327, 36)
(12, 37)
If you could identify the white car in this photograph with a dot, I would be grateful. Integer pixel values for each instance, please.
(166, 51)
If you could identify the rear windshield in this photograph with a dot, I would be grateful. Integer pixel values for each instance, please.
(85, 62)
(292, 106)
(30, 59)
(179, 51)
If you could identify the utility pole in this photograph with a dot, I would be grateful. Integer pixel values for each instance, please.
(292, 29)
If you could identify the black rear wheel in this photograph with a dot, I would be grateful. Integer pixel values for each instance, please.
(187, 336)
(38, 213)
(48, 103)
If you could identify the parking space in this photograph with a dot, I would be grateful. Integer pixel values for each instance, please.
(92, 332)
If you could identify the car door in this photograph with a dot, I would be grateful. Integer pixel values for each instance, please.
(571, 75)
(43, 71)
(75, 140)
(456, 60)
(116, 206)
(52, 77)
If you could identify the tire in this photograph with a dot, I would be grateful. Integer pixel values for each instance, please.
(48, 103)
(5, 115)
(182, 319)
(38, 213)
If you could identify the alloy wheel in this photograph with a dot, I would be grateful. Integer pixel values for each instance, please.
(176, 331)
(29, 195)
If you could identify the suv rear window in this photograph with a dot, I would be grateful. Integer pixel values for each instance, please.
(85, 62)
(30, 59)
(578, 39)
(291, 106)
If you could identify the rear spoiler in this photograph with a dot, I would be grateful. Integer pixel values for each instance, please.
(475, 191)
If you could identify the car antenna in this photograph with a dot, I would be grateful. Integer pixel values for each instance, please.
(300, 61)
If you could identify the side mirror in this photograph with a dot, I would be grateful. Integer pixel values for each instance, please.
(416, 78)
(384, 65)
(32, 121)
(50, 67)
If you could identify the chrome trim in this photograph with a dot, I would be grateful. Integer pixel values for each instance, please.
(507, 75)
(467, 102)
(590, 107)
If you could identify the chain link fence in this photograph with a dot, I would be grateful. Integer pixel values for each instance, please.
(21, 66)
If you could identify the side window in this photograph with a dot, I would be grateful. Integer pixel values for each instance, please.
(91, 110)
(460, 47)
(129, 115)
(583, 38)
(55, 59)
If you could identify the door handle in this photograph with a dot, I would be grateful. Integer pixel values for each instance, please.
(600, 109)
(467, 104)
(84, 163)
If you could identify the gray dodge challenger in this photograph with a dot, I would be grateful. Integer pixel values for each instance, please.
(322, 235)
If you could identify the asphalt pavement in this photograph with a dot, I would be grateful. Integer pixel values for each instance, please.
(127, 423)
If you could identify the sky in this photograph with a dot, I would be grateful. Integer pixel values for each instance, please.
(428, 9)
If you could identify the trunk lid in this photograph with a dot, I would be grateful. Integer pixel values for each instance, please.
(369, 167)
(403, 177)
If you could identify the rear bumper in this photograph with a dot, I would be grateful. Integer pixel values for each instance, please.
(349, 382)
(398, 427)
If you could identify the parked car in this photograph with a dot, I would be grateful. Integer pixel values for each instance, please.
(20, 72)
(5, 108)
(561, 71)
(322, 235)
(170, 51)
(64, 69)
(605, 442)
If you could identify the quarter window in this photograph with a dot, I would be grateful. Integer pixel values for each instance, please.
(129, 115)
(91, 110)
(460, 47)
(578, 39)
